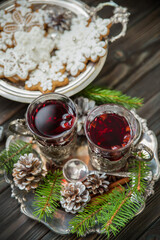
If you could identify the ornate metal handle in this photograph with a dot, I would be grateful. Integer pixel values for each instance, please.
(19, 126)
(142, 153)
(121, 15)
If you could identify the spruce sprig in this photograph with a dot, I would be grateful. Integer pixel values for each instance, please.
(11, 156)
(102, 95)
(114, 210)
(47, 195)
(141, 169)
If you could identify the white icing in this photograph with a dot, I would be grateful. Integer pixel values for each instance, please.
(34, 78)
(34, 42)
(44, 67)
(101, 26)
(40, 16)
(47, 85)
(59, 77)
(46, 75)
(16, 64)
(81, 43)
(24, 3)
(57, 63)
(21, 23)
(5, 18)
(5, 41)
(79, 20)
(74, 65)
(24, 10)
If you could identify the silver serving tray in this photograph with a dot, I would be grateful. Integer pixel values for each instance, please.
(60, 221)
(18, 93)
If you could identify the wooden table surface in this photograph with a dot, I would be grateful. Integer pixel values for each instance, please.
(132, 66)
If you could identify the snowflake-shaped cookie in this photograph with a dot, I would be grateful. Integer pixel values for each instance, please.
(35, 44)
(6, 40)
(80, 44)
(16, 64)
(20, 23)
(46, 78)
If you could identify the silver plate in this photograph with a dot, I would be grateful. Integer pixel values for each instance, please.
(60, 221)
(16, 93)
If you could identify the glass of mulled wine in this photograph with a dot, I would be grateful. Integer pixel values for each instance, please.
(52, 119)
(110, 130)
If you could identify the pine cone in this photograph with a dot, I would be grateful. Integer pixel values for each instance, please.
(84, 105)
(74, 197)
(96, 183)
(59, 20)
(28, 172)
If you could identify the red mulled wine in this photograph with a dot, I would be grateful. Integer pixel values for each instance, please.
(110, 131)
(51, 118)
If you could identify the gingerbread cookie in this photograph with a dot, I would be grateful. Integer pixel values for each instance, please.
(16, 64)
(46, 78)
(81, 44)
(35, 44)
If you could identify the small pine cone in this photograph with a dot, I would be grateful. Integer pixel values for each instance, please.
(59, 20)
(74, 197)
(84, 105)
(96, 183)
(28, 172)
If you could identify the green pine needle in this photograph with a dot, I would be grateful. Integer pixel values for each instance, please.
(103, 95)
(11, 156)
(114, 210)
(48, 195)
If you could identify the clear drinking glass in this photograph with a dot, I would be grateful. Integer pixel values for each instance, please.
(114, 157)
(57, 137)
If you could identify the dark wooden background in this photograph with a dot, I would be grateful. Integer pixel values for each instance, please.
(132, 66)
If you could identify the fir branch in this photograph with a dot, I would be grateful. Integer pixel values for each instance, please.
(122, 211)
(11, 156)
(114, 210)
(103, 95)
(140, 170)
(139, 178)
(88, 218)
(122, 202)
(48, 195)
